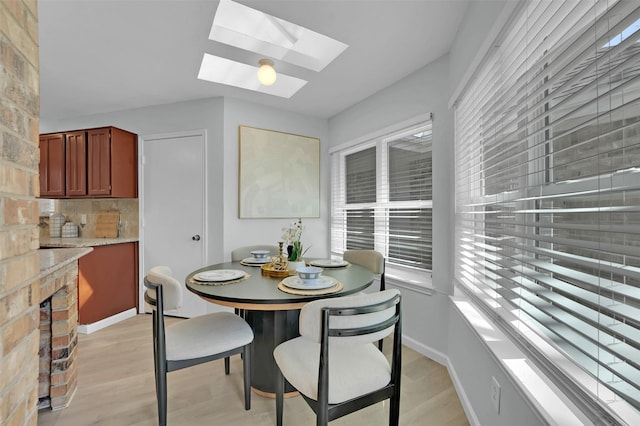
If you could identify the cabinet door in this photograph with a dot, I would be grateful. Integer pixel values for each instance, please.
(52, 165)
(99, 162)
(107, 282)
(76, 156)
(124, 163)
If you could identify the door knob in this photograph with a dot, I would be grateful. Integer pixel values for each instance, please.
(196, 237)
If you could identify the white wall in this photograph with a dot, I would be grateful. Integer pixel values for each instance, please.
(476, 32)
(240, 232)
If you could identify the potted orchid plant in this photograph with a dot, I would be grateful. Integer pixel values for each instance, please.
(291, 237)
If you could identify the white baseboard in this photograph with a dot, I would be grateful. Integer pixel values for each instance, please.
(443, 360)
(425, 350)
(113, 319)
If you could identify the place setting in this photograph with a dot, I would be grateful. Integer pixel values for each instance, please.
(309, 281)
(219, 276)
(329, 263)
(258, 258)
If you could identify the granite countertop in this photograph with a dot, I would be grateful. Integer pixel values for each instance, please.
(53, 259)
(49, 242)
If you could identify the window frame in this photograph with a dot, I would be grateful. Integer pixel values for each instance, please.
(401, 275)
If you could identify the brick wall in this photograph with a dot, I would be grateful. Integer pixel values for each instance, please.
(19, 259)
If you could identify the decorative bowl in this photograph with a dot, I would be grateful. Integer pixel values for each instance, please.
(270, 271)
(260, 254)
(309, 274)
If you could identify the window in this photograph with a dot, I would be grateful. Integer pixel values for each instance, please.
(381, 198)
(547, 163)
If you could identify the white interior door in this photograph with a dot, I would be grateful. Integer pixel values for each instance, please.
(173, 209)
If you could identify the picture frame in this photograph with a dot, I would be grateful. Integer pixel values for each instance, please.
(279, 174)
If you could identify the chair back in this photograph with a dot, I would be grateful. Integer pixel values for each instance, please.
(160, 276)
(370, 259)
(364, 318)
(362, 376)
(244, 252)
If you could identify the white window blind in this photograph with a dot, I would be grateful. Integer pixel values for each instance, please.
(547, 166)
(381, 197)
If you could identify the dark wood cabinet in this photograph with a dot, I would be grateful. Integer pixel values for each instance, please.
(112, 163)
(100, 162)
(107, 282)
(52, 165)
(76, 164)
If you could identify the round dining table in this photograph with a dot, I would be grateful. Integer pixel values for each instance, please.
(271, 312)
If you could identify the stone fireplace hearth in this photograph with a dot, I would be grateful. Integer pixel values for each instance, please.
(58, 331)
(44, 355)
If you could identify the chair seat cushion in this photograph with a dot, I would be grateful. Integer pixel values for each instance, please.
(205, 335)
(353, 369)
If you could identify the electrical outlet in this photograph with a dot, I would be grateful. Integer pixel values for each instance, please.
(495, 394)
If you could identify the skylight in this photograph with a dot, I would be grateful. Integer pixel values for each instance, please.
(250, 29)
(232, 73)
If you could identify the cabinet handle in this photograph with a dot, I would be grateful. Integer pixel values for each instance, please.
(196, 237)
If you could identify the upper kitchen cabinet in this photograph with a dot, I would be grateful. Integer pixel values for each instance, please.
(89, 163)
(112, 163)
(52, 165)
(76, 164)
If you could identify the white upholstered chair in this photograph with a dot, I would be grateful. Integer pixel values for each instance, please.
(243, 252)
(334, 364)
(191, 341)
(372, 260)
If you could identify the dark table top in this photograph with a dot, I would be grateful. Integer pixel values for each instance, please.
(260, 292)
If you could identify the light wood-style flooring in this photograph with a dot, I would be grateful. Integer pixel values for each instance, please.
(116, 387)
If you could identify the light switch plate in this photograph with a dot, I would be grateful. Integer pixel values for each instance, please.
(495, 394)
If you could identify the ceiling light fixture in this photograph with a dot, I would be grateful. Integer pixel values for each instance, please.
(266, 72)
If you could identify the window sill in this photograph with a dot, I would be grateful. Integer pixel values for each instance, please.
(419, 282)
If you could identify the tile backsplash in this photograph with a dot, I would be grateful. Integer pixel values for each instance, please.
(72, 209)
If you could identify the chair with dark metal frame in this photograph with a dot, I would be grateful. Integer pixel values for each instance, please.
(335, 365)
(191, 341)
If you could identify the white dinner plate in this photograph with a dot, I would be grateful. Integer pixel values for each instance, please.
(219, 275)
(329, 263)
(322, 282)
(254, 261)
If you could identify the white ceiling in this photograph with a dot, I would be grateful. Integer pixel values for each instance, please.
(98, 56)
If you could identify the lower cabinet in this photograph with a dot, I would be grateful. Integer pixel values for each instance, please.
(107, 282)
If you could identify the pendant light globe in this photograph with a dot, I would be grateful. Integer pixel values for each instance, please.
(266, 72)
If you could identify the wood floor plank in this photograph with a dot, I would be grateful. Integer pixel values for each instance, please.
(116, 387)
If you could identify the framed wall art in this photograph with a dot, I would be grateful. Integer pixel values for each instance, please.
(279, 174)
